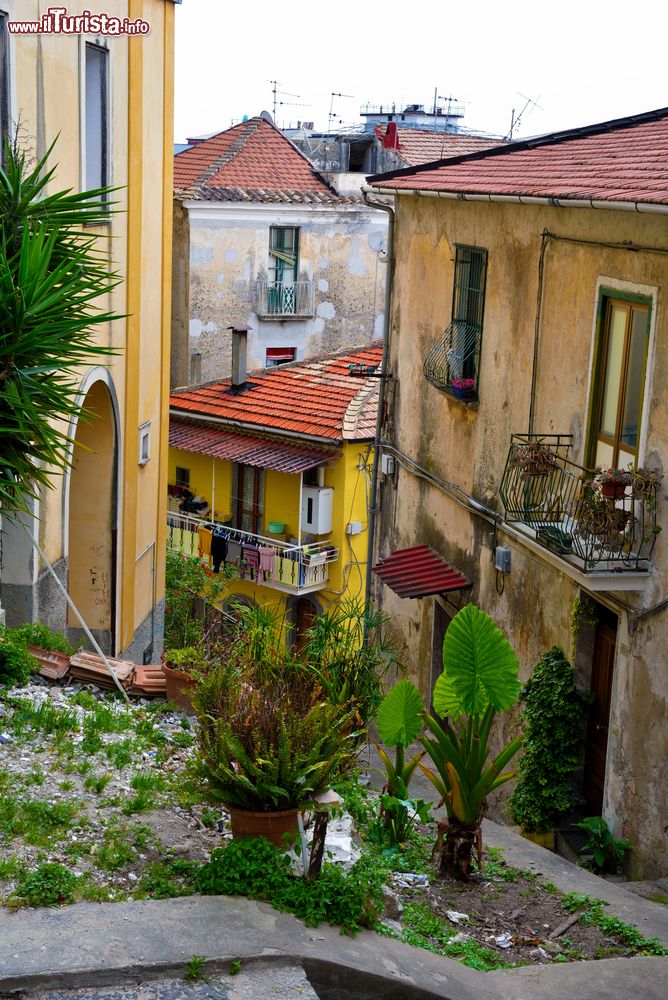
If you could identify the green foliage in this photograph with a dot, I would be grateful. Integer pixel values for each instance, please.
(583, 612)
(608, 853)
(459, 750)
(257, 869)
(553, 744)
(119, 845)
(351, 669)
(16, 663)
(36, 822)
(268, 742)
(53, 274)
(193, 973)
(120, 754)
(425, 929)
(190, 592)
(168, 881)
(626, 934)
(48, 885)
(480, 668)
(189, 660)
(36, 634)
(399, 717)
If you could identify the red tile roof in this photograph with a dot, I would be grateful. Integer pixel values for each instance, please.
(418, 572)
(308, 398)
(620, 161)
(262, 453)
(417, 146)
(252, 161)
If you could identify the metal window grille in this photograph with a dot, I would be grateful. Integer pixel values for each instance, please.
(453, 363)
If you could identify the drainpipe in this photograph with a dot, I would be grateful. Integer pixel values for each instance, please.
(373, 497)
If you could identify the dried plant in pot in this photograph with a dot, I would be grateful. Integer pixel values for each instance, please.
(611, 483)
(533, 459)
(268, 743)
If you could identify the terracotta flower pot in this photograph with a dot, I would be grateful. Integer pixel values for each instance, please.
(179, 688)
(280, 828)
(613, 491)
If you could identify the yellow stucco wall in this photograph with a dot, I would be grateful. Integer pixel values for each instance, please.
(47, 94)
(347, 576)
(468, 445)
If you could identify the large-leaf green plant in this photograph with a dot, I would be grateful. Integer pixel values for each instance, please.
(479, 679)
(54, 278)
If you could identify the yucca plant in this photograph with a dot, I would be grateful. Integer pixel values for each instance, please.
(53, 277)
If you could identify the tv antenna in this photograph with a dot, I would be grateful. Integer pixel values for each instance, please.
(332, 116)
(283, 93)
(514, 121)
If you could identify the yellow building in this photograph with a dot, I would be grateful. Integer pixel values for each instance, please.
(278, 462)
(109, 99)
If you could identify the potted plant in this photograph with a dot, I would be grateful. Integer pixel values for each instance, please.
(611, 483)
(267, 743)
(182, 669)
(533, 459)
(463, 388)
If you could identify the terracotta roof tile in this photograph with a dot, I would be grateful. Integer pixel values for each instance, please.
(263, 453)
(619, 161)
(418, 146)
(252, 161)
(308, 398)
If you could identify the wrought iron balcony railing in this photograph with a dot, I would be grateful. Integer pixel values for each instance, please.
(600, 522)
(294, 569)
(279, 298)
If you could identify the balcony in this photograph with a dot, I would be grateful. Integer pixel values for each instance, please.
(284, 300)
(297, 569)
(604, 526)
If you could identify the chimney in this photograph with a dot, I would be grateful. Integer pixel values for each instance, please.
(239, 335)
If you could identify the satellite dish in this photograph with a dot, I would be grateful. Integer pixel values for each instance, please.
(267, 117)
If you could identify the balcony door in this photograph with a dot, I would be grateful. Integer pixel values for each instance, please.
(596, 750)
(283, 269)
(619, 385)
(248, 498)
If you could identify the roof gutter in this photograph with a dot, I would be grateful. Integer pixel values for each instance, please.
(256, 428)
(521, 199)
(373, 497)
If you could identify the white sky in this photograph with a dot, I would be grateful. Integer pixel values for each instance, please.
(584, 61)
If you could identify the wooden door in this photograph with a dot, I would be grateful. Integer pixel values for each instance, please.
(603, 662)
(305, 615)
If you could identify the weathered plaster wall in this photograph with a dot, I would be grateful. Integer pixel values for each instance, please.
(467, 445)
(341, 250)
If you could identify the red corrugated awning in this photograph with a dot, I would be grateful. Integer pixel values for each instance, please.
(234, 447)
(418, 572)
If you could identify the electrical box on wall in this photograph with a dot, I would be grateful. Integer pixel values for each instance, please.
(354, 528)
(387, 465)
(317, 509)
(502, 559)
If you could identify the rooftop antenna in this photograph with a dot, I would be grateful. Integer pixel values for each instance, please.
(332, 116)
(514, 122)
(283, 93)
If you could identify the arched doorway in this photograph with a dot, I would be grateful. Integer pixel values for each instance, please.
(92, 519)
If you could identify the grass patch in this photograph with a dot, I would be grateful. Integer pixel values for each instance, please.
(47, 885)
(167, 881)
(97, 782)
(37, 822)
(120, 754)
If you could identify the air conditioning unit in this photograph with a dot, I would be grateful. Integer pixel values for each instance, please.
(317, 509)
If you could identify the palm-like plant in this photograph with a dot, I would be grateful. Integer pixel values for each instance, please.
(480, 678)
(52, 274)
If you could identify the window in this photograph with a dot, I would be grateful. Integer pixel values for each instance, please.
(5, 104)
(182, 477)
(453, 364)
(619, 383)
(248, 498)
(279, 356)
(283, 269)
(97, 118)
